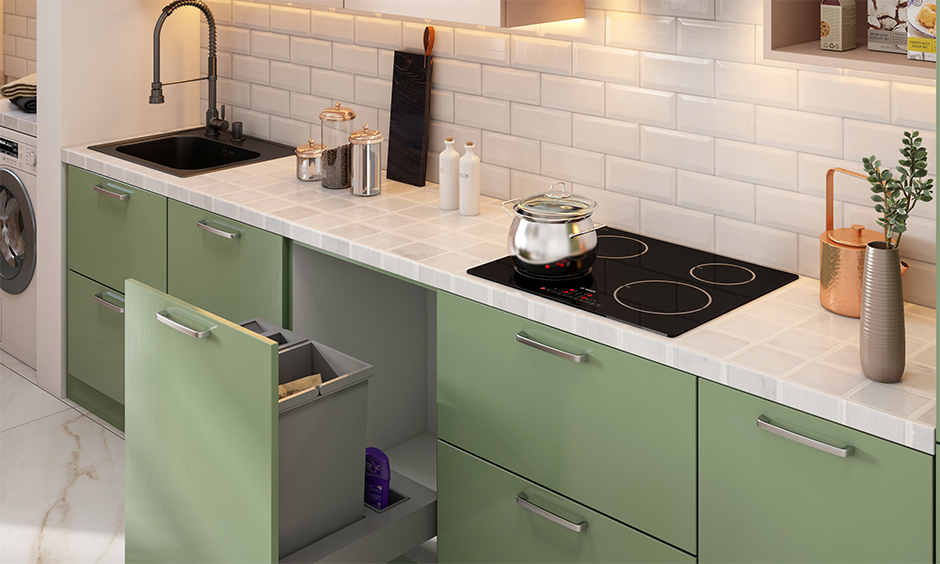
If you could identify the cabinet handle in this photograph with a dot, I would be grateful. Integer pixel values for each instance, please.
(201, 224)
(523, 338)
(163, 317)
(115, 195)
(523, 500)
(765, 424)
(100, 299)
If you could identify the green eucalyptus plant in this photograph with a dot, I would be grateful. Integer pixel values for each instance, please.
(895, 197)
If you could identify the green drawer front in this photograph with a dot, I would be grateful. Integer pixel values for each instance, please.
(480, 520)
(616, 433)
(236, 278)
(110, 240)
(95, 336)
(765, 498)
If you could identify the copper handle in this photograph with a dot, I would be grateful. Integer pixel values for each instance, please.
(829, 181)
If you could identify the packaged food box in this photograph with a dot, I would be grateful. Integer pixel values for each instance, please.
(922, 30)
(887, 25)
(837, 25)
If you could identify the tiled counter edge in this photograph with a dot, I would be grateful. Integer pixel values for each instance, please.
(783, 347)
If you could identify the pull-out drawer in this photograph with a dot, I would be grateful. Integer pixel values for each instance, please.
(115, 231)
(611, 431)
(486, 514)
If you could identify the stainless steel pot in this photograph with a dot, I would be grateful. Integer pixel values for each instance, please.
(552, 236)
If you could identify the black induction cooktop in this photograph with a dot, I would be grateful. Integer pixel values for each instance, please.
(660, 286)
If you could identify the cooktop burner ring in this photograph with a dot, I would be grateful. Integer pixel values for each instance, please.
(644, 247)
(560, 278)
(651, 312)
(752, 274)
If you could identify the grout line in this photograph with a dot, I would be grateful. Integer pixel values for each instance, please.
(43, 417)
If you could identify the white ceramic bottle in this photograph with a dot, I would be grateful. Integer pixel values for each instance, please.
(448, 182)
(470, 182)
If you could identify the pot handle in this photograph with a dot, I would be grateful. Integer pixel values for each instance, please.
(591, 230)
(503, 205)
(829, 191)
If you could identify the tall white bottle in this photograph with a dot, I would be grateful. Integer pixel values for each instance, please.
(470, 182)
(448, 182)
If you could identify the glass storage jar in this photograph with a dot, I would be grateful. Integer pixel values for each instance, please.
(366, 161)
(336, 124)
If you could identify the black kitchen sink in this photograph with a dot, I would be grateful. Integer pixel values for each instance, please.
(191, 152)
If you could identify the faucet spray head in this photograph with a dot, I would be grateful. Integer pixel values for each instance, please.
(156, 93)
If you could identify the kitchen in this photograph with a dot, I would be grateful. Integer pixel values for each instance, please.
(725, 150)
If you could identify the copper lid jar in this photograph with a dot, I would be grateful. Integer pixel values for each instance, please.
(336, 124)
(366, 174)
(310, 160)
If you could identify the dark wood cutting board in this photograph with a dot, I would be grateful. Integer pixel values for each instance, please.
(410, 109)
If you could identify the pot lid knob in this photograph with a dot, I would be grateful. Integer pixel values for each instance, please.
(856, 236)
(337, 113)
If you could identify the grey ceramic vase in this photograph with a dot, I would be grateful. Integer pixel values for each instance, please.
(881, 333)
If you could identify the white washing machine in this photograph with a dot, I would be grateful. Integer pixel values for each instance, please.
(18, 245)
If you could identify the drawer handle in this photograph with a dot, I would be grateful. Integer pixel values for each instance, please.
(115, 195)
(112, 306)
(201, 224)
(523, 500)
(163, 316)
(523, 338)
(766, 425)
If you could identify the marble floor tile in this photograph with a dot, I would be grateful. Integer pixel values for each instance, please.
(22, 401)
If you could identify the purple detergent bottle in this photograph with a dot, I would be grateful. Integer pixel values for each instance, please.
(377, 478)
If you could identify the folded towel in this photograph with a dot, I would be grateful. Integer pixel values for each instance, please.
(26, 103)
(21, 87)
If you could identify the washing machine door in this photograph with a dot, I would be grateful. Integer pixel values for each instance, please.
(17, 234)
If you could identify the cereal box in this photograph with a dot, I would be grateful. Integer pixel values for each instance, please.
(922, 30)
(887, 25)
(837, 25)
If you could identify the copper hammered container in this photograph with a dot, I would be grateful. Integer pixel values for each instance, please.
(842, 258)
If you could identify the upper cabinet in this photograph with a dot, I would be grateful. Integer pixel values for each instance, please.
(496, 13)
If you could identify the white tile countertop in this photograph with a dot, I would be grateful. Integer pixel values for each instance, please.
(784, 347)
(12, 117)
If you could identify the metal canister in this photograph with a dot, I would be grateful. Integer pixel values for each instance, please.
(336, 124)
(366, 161)
(310, 160)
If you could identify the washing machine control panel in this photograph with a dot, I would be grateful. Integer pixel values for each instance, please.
(17, 155)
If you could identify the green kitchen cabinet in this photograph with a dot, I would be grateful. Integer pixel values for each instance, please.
(227, 267)
(115, 231)
(607, 429)
(486, 514)
(768, 496)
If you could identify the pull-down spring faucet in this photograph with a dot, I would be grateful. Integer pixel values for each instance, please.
(214, 122)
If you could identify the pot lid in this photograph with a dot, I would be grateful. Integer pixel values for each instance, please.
(556, 207)
(310, 150)
(337, 113)
(855, 236)
(365, 136)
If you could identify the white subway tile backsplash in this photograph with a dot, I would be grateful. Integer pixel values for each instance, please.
(791, 211)
(413, 39)
(366, 116)
(640, 105)
(702, 9)
(485, 113)
(442, 105)
(461, 134)
(620, 5)
(573, 94)
(589, 29)
(757, 164)
(716, 40)
(495, 181)
(757, 243)
(512, 152)
(640, 179)
(641, 32)
(606, 136)
(224, 63)
(620, 66)
(688, 75)
(914, 105)
(332, 84)
(808, 248)
(741, 11)
(482, 46)
(308, 108)
(616, 210)
(270, 100)
(546, 55)
(26, 48)
(812, 179)
(720, 118)
(270, 45)
(757, 84)
(221, 11)
(233, 40)
(677, 149)
(457, 76)
(386, 63)
(290, 77)
(541, 124)
(356, 59)
(292, 21)
(716, 195)
(332, 26)
(919, 283)
(252, 15)
(14, 25)
(583, 167)
(917, 243)
(677, 225)
(373, 92)
(252, 69)
(311, 52)
(800, 131)
(234, 92)
(845, 96)
(864, 139)
(378, 32)
(509, 84)
(289, 131)
(256, 124)
(525, 184)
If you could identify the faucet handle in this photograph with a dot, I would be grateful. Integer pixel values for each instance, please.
(223, 113)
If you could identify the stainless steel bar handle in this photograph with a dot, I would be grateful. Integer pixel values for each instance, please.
(523, 338)
(509, 212)
(100, 299)
(766, 425)
(523, 500)
(585, 232)
(164, 319)
(115, 195)
(201, 224)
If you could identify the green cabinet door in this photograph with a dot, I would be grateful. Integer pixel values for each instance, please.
(768, 498)
(115, 231)
(222, 265)
(201, 395)
(614, 432)
(480, 520)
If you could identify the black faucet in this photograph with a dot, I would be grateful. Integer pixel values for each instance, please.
(214, 122)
